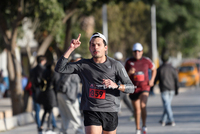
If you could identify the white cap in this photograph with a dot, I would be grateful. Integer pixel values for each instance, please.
(118, 56)
(100, 36)
(137, 47)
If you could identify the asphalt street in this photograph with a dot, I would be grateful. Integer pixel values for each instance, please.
(186, 108)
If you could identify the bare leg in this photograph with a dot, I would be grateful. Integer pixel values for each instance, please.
(97, 130)
(143, 100)
(109, 132)
(93, 129)
(137, 112)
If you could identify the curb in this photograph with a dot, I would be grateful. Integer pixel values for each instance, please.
(2, 125)
(10, 122)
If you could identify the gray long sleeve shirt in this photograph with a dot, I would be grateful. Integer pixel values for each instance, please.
(95, 96)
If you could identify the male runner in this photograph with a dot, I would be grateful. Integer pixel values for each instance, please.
(100, 75)
(137, 68)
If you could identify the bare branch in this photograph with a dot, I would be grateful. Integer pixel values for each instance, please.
(45, 44)
(68, 15)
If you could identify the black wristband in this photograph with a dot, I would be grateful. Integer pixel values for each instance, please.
(118, 86)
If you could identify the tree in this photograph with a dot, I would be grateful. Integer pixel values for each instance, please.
(178, 26)
(8, 28)
(128, 23)
(11, 14)
(50, 16)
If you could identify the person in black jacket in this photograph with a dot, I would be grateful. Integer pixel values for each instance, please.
(48, 96)
(168, 83)
(37, 83)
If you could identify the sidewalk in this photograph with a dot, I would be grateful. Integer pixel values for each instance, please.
(5, 112)
(8, 121)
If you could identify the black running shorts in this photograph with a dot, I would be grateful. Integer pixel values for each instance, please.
(108, 120)
(135, 96)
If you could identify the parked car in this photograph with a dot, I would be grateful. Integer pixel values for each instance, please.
(189, 73)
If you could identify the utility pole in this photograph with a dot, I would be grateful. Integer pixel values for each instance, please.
(105, 25)
(154, 36)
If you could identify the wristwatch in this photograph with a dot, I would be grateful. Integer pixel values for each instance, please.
(118, 86)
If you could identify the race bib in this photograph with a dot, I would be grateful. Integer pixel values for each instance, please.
(139, 76)
(97, 93)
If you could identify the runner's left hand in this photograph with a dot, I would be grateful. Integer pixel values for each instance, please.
(109, 83)
(151, 83)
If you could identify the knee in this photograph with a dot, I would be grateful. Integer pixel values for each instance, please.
(143, 106)
(138, 111)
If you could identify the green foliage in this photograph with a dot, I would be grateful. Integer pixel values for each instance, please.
(178, 26)
(8, 9)
(50, 14)
(128, 23)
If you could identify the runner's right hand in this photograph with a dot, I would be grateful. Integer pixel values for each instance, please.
(75, 42)
(131, 71)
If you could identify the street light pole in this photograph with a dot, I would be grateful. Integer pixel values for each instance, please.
(105, 25)
(154, 36)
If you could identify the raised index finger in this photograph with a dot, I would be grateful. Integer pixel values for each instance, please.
(79, 36)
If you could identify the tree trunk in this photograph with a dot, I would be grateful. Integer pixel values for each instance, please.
(14, 67)
(67, 34)
(14, 70)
